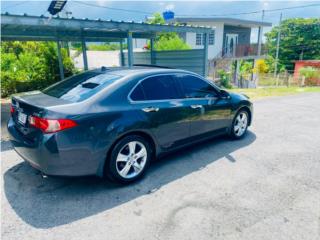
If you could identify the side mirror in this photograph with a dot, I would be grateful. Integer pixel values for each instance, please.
(224, 94)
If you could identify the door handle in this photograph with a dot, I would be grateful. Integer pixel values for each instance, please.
(196, 106)
(150, 109)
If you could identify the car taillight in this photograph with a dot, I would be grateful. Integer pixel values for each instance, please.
(51, 125)
(11, 109)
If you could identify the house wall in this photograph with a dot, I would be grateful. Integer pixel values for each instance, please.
(213, 50)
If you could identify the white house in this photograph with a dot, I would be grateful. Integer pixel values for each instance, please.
(231, 37)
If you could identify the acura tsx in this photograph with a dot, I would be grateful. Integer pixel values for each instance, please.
(113, 122)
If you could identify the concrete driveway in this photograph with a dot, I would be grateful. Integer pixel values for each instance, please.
(266, 186)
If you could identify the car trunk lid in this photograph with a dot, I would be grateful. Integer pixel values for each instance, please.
(32, 104)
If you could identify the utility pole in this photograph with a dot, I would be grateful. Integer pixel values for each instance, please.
(278, 44)
(260, 35)
(256, 76)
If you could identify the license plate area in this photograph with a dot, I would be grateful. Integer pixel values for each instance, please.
(22, 118)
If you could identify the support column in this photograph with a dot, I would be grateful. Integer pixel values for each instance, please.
(130, 49)
(60, 60)
(237, 73)
(68, 48)
(205, 55)
(152, 52)
(122, 63)
(84, 54)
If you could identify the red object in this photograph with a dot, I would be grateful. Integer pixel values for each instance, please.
(51, 125)
(11, 109)
(304, 63)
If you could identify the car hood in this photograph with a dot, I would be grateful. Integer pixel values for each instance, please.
(239, 96)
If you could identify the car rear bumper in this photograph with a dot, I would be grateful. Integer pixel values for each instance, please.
(50, 156)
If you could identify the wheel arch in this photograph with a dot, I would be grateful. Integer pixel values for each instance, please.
(147, 136)
(248, 110)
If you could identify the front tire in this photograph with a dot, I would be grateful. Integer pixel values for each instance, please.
(129, 159)
(239, 125)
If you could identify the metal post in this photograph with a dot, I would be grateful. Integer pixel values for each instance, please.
(277, 51)
(260, 36)
(68, 49)
(237, 72)
(60, 60)
(122, 63)
(84, 54)
(130, 49)
(205, 57)
(152, 52)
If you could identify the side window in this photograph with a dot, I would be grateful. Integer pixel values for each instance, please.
(194, 87)
(156, 88)
(138, 94)
(160, 88)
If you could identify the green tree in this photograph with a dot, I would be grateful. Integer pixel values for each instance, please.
(29, 66)
(299, 37)
(167, 41)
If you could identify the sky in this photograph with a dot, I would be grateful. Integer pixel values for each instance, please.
(110, 9)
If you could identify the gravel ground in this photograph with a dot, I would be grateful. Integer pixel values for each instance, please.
(266, 186)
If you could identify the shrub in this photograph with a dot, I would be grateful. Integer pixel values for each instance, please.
(261, 67)
(173, 43)
(167, 41)
(105, 47)
(312, 75)
(27, 66)
(224, 79)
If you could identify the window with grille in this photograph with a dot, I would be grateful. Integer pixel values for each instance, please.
(211, 39)
(198, 39)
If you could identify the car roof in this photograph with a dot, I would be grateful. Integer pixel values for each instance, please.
(137, 70)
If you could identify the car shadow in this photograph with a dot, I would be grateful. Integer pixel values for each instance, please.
(49, 202)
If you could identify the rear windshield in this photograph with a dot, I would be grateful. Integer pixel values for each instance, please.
(80, 87)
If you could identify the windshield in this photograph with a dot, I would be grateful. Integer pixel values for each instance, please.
(80, 87)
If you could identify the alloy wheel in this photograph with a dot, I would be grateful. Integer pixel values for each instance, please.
(240, 124)
(131, 159)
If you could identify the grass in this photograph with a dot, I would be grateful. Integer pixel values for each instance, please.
(256, 93)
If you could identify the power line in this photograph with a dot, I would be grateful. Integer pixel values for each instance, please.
(15, 5)
(206, 15)
(253, 12)
(112, 8)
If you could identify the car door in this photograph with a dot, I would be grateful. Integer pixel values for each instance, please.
(160, 104)
(210, 112)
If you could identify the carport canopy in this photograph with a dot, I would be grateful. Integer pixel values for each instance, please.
(34, 28)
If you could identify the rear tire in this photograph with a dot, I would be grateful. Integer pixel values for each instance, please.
(129, 159)
(239, 125)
